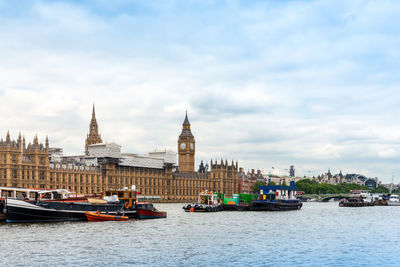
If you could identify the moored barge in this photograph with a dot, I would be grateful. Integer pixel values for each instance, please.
(120, 202)
(276, 198)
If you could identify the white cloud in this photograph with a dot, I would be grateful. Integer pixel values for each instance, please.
(314, 84)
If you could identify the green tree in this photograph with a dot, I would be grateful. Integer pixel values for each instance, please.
(313, 187)
(255, 187)
(381, 189)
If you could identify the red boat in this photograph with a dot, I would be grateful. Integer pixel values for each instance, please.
(98, 217)
(146, 210)
(151, 214)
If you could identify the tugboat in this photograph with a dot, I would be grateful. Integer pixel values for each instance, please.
(208, 202)
(146, 210)
(276, 198)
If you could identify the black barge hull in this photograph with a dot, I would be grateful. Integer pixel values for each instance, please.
(24, 211)
(202, 207)
(275, 205)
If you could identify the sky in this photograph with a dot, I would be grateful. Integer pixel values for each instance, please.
(314, 84)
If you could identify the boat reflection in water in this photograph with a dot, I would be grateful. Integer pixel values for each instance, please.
(121, 202)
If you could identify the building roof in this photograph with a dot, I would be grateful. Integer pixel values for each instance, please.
(186, 121)
(144, 162)
(186, 132)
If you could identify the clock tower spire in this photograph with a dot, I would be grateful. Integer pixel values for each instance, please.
(186, 147)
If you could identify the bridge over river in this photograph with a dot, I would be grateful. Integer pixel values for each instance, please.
(325, 197)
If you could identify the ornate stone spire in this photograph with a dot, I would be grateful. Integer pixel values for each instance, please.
(19, 141)
(93, 137)
(93, 113)
(186, 121)
(93, 128)
(8, 139)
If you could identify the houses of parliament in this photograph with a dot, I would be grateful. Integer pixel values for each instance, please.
(104, 166)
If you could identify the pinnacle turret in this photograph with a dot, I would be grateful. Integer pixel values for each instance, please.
(93, 137)
(93, 113)
(186, 121)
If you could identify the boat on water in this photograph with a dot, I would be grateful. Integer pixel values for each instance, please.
(30, 194)
(276, 198)
(394, 200)
(355, 202)
(239, 202)
(65, 209)
(146, 210)
(14, 193)
(112, 202)
(359, 198)
(207, 202)
(100, 217)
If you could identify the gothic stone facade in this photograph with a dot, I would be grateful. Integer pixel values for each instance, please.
(29, 166)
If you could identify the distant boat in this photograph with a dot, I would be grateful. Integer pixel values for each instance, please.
(394, 200)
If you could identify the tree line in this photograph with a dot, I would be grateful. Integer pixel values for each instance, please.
(309, 186)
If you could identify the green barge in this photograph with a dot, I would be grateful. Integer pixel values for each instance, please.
(239, 201)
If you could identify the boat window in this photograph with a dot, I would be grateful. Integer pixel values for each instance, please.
(126, 195)
(120, 195)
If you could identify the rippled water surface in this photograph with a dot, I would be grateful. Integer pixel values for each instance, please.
(320, 234)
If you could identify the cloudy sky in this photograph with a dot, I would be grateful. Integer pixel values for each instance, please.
(268, 83)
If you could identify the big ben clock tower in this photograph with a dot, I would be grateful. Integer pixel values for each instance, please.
(186, 148)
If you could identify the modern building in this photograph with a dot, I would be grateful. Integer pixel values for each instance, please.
(292, 171)
(104, 166)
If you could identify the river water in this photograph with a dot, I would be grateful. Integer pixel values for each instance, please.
(320, 234)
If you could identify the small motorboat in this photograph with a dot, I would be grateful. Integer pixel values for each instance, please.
(146, 210)
(99, 217)
(151, 214)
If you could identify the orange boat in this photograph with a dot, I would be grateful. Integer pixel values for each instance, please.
(98, 217)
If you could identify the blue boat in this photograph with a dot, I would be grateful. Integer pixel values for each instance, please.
(276, 198)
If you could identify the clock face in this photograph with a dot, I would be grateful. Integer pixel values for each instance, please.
(183, 145)
(191, 146)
